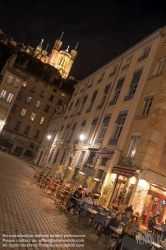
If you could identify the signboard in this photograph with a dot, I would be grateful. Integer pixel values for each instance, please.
(122, 172)
(46, 172)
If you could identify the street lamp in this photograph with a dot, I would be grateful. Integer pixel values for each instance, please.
(82, 137)
(49, 137)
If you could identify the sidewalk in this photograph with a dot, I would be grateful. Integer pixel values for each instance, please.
(28, 210)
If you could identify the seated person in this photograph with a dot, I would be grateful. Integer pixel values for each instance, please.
(129, 209)
(77, 194)
(152, 223)
(114, 222)
(129, 230)
(87, 199)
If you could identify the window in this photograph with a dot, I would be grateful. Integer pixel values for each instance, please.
(36, 80)
(32, 117)
(82, 126)
(71, 104)
(92, 129)
(9, 80)
(36, 135)
(63, 95)
(106, 90)
(119, 126)
(42, 94)
(101, 77)
(62, 157)
(33, 89)
(24, 84)
(8, 121)
(42, 121)
(114, 71)
(128, 62)
(23, 112)
(38, 104)
(16, 83)
(19, 96)
(133, 146)
(80, 160)
(103, 128)
(27, 130)
(145, 54)
(71, 132)
(133, 84)
(3, 94)
(29, 100)
(50, 157)
(59, 102)
(47, 108)
(117, 91)
(92, 101)
(91, 83)
(77, 102)
(3, 113)
(17, 125)
(66, 132)
(56, 156)
(51, 98)
(9, 98)
(147, 105)
(104, 161)
(160, 66)
(82, 104)
(31, 145)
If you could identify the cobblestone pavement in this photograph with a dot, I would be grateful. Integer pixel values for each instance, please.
(25, 209)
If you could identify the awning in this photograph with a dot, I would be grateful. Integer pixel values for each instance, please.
(104, 153)
(123, 172)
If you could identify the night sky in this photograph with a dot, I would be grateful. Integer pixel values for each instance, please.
(103, 29)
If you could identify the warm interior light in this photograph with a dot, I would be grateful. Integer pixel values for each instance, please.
(80, 172)
(143, 184)
(132, 180)
(96, 179)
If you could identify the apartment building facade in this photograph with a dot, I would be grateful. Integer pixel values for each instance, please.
(145, 142)
(34, 102)
(93, 130)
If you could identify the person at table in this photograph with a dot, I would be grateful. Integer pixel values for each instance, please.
(114, 222)
(128, 230)
(87, 199)
(129, 209)
(152, 223)
(78, 195)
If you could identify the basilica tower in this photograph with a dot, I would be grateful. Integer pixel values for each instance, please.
(38, 49)
(55, 51)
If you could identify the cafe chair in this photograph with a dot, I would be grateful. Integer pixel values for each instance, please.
(84, 213)
(131, 244)
(99, 220)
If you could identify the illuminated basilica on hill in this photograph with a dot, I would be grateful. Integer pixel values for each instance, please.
(60, 59)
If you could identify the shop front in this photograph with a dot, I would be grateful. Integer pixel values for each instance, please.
(155, 204)
(124, 187)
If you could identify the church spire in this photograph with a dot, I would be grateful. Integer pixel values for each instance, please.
(76, 46)
(61, 36)
(67, 50)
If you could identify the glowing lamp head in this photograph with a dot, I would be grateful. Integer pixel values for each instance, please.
(49, 137)
(82, 137)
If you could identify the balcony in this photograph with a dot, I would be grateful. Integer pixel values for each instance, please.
(113, 141)
(128, 97)
(142, 57)
(125, 160)
(126, 66)
(112, 102)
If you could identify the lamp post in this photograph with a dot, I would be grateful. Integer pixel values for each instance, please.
(46, 152)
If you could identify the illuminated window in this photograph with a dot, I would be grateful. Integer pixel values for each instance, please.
(29, 99)
(9, 80)
(24, 84)
(3, 93)
(37, 104)
(32, 117)
(9, 98)
(42, 121)
(23, 112)
(160, 66)
(16, 83)
(63, 94)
